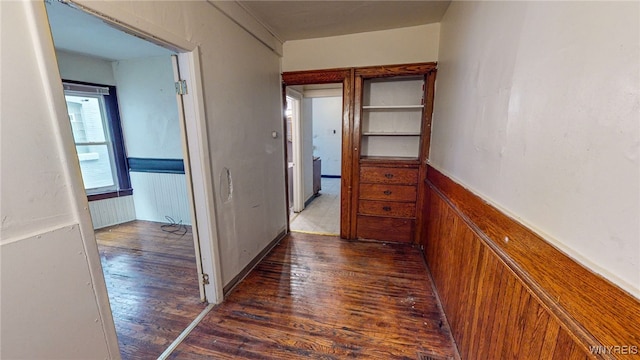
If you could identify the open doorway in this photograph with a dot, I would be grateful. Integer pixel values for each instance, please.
(131, 139)
(314, 145)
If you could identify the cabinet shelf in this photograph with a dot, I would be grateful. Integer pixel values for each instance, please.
(391, 107)
(391, 133)
(396, 161)
(391, 117)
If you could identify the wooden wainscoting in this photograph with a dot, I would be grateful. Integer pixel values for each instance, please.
(508, 294)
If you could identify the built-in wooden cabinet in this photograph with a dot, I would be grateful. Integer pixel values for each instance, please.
(386, 130)
(392, 123)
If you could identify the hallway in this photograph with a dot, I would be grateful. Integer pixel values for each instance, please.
(322, 215)
(313, 298)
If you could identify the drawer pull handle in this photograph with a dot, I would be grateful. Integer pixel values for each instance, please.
(388, 176)
(387, 192)
(386, 208)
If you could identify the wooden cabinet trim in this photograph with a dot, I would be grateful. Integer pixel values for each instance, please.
(395, 70)
(355, 151)
(309, 77)
(389, 162)
(347, 175)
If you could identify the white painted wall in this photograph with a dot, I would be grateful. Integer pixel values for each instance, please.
(148, 107)
(151, 128)
(242, 95)
(84, 68)
(536, 110)
(327, 133)
(396, 46)
(307, 146)
(54, 301)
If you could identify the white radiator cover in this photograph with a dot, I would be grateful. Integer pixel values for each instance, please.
(112, 211)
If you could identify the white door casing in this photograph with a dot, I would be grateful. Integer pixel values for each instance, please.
(202, 183)
(296, 132)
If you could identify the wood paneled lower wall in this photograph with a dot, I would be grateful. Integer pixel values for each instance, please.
(508, 294)
(112, 211)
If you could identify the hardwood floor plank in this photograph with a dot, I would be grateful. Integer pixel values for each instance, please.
(151, 279)
(325, 298)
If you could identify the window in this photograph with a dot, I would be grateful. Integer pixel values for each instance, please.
(93, 113)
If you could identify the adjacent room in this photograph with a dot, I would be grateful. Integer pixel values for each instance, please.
(314, 116)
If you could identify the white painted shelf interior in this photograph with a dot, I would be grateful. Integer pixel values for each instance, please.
(391, 117)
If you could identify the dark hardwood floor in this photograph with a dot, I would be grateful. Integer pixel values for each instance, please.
(151, 278)
(325, 298)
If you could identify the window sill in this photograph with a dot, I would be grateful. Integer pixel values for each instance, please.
(110, 195)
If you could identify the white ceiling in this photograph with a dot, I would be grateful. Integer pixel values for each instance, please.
(76, 31)
(295, 20)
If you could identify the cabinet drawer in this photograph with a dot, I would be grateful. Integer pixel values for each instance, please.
(386, 229)
(382, 175)
(387, 192)
(387, 208)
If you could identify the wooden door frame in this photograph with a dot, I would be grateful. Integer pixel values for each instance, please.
(344, 76)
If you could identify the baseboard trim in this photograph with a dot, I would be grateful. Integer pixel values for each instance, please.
(183, 335)
(593, 311)
(252, 264)
(310, 199)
